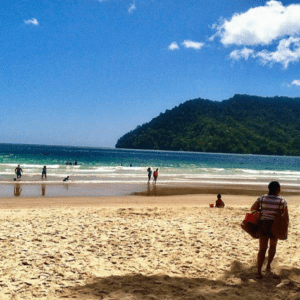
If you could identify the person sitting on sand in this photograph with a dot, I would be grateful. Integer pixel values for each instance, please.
(219, 202)
(44, 172)
(155, 175)
(67, 178)
(269, 205)
(149, 174)
(18, 171)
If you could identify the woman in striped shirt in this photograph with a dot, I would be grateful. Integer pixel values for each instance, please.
(269, 205)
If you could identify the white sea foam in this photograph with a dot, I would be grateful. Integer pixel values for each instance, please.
(269, 172)
(134, 169)
(125, 174)
(9, 165)
(24, 166)
(53, 166)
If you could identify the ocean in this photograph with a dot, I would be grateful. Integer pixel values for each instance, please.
(103, 169)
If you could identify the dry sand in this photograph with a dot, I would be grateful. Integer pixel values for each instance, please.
(169, 247)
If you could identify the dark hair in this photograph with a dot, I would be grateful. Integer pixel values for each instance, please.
(219, 196)
(273, 186)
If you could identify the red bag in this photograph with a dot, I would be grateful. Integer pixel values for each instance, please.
(250, 223)
(253, 217)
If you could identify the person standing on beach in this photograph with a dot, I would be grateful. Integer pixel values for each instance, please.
(44, 172)
(18, 171)
(149, 174)
(269, 205)
(155, 175)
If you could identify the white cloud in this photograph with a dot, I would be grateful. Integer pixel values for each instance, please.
(296, 82)
(193, 45)
(173, 46)
(132, 8)
(243, 53)
(288, 51)
(32, 21)
(264, 26)
(260, 25)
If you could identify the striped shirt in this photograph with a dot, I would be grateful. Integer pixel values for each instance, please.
(270, 205)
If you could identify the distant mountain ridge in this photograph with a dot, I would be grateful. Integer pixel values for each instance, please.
(241, 124)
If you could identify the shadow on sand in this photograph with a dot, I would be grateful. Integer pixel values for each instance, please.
(237, 283)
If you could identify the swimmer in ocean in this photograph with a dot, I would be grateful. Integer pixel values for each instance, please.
(44, 172)
(18, 171)
(67, 178)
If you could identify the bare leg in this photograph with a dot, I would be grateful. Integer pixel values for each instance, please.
(272, 252)
(263, 245)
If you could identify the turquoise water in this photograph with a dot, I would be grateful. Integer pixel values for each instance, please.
(117, 166)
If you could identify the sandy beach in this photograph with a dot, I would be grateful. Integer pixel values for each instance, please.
(137, 247)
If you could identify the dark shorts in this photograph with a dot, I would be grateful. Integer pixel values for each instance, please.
(265, 228)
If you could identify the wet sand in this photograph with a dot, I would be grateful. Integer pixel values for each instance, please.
(73, 189)
(137, 247)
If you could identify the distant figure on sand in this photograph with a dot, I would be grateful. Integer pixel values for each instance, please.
(149, 174)
(269, 205)
(219, 202)
(44, 172)
(155, 175)
(67, 178)
(18, 171)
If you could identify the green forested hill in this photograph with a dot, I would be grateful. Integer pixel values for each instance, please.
(242, 124)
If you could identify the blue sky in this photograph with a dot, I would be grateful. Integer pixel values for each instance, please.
(85, 72)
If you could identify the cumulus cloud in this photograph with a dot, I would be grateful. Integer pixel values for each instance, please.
(260, 29)
(192, 44)
(260, 25)
(132, 8)
(296, 82)
(243, 53)
(173, 46)
(32, 21)
(288, 51)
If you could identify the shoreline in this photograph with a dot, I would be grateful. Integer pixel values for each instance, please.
(72, 189)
